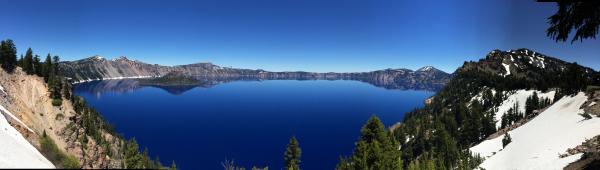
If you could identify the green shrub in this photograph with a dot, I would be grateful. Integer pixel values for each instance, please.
(55, 155)
(56, 102)
(506, 140)
(59, 116)
(70, 162)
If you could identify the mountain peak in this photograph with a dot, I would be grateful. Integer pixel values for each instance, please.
(96, 58)
(121, 58)
(427, 68)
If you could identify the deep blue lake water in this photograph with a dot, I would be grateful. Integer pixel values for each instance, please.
(250, 122)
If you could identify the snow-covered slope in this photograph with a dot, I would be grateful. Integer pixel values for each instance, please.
(15, 151)
(519, 97)
(538, 143)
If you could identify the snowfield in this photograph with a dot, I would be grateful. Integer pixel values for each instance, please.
(519, 97)
(538, 143)
(507, 68)
(15, 151)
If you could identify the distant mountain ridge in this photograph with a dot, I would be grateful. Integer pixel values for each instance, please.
(98, 68)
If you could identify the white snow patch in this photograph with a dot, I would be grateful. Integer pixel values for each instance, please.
(488, 148)
(11, 116)
(507, 68)
(591, 104)
(530, 60)
(538, 143)
(112, 78)
(519, 97)
(2, 89)
(16, 152)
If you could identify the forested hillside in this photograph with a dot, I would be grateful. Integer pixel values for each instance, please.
(462, 114)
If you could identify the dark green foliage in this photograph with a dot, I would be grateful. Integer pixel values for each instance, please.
(28, 62)
(506, 140)
(134, 159)
(582, 16)
(47, 68)
(375, 149)
(8, 55)
(511, 116)
(292, 155)
(586, 116)
(574, 79)
(56, 102)
(535, 103)
(92, 122)
(54, 155)
(37, 66)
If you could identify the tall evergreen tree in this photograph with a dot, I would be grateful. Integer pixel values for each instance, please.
(292, 155)
(20, 61)
(37, 66)
(55, 61)
(376, 149)
(133, 158)
(48, 68)
(8, 55)
(506, 140)
(28, 62)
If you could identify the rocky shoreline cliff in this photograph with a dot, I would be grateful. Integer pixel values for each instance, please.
(98, 68)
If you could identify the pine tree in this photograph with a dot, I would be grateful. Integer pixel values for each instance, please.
(506, 140)
(28, 62)
(133, 158)
(37, 66)
(20, 61)
(47, 68)
(55, 61)
(376, 148)
(8, 55)
(292, 155)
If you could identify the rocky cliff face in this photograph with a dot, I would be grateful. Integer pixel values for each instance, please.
(27, 97)
(98, 68)
(524, 63)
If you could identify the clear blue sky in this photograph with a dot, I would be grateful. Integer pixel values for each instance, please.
(284, 35)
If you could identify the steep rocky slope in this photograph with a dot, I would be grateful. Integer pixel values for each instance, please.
(27, 97)
(96, 68)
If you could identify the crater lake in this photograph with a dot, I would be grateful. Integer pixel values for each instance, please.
(249, 122)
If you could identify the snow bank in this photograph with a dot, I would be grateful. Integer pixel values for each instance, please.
(112, 78)
(488, 148)
(507, 68)
(519, 97)
(538, 143)
(9, 115)
(16, 152)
